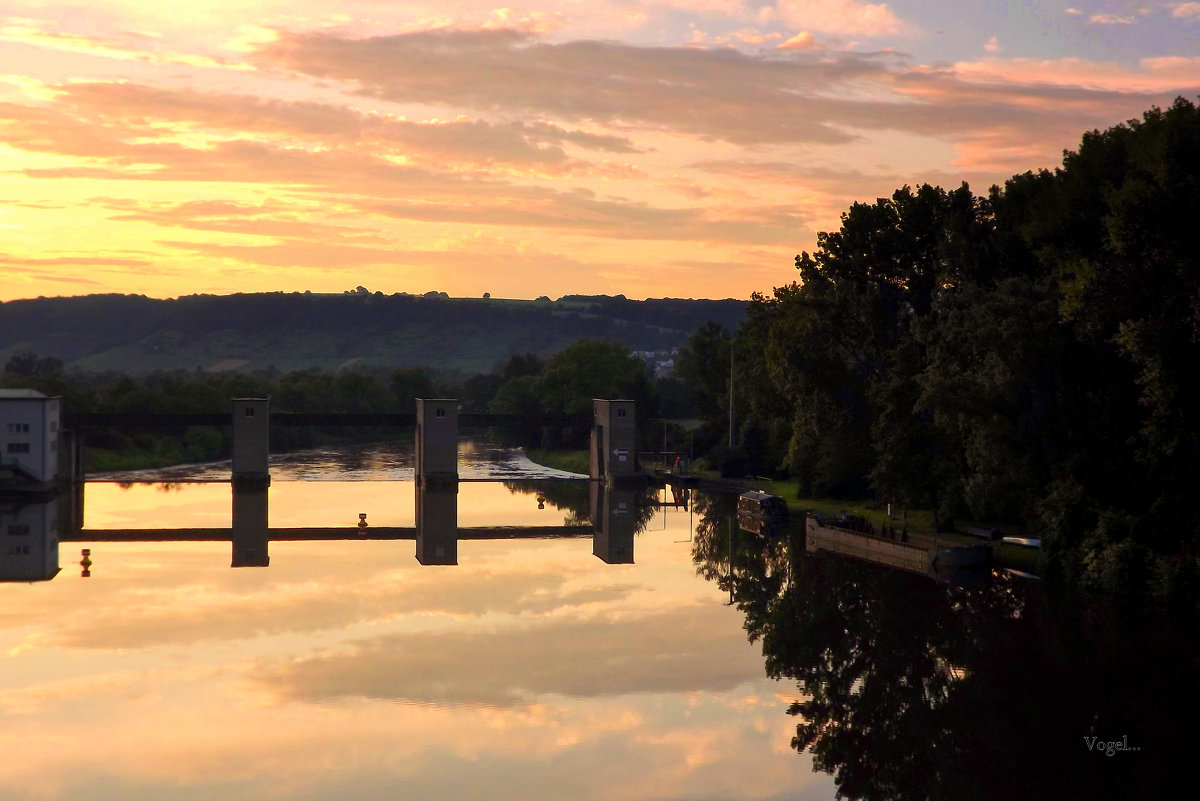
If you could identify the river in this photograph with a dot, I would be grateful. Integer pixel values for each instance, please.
(531, 669)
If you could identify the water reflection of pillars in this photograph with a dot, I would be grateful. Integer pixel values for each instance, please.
(614, 521)
(251, 442)
(437, 523)
(250, 543)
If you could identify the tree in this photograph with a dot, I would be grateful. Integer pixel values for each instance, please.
(27, 363)
(703, 364)
(408, 383)
(594, 369)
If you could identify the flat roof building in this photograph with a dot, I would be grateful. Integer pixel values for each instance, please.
(29, 436)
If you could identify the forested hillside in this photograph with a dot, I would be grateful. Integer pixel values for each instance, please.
(136, 334)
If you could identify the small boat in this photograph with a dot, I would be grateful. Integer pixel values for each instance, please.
(762, 504)
(761, 513)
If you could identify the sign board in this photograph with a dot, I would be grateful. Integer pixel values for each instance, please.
(622, 454)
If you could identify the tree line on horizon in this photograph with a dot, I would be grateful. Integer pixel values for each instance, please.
(298, 331)
(527, 386)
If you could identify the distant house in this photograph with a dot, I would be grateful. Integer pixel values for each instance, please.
(29, 435)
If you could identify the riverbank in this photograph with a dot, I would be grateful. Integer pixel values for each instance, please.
(571, 461)
(919, 521)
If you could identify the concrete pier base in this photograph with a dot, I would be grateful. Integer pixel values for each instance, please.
(437, 441)
(251, 442)
(613, 456)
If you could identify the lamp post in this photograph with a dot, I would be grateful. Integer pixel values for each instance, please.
(731, 395)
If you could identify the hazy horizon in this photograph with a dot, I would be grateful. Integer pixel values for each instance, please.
(335, 293)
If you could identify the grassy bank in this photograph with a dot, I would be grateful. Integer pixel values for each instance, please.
(573, 461)
(919, 520)
(105, 461)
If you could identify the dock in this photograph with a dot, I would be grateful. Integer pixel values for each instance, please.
(918, 553)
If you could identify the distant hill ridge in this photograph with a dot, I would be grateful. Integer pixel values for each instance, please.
(135, 334)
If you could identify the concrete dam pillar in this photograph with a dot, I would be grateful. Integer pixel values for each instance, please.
(437, 441)
(614, 440)
(251, 441)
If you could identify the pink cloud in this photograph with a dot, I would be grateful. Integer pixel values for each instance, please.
(1163, 75)
(843, 17)
(1111, 19)
(801, 41)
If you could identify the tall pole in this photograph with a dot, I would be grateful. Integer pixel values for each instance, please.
(731, 395)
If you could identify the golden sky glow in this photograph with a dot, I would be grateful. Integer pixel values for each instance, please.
(669, 148)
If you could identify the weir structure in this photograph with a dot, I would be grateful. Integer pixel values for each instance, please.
(40, 526)
(613, 426)
(616, 482)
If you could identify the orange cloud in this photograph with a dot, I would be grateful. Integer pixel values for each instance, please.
(801, 41)
(128, 47)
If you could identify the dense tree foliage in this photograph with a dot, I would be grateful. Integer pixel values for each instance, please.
(1026, 358)
(566, 385)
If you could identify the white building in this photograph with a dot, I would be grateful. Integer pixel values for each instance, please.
(29, 435)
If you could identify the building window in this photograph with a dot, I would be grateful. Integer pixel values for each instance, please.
(18, 529)
(249, 411)
(18, 447)
(18, 550)
(620, 412)
(18, 428)
(441, 412)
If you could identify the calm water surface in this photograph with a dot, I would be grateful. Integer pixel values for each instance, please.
(532, 669)
(347, 670)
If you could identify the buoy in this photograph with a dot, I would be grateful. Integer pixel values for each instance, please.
(362, 519)
(86, 562)
(541, 499)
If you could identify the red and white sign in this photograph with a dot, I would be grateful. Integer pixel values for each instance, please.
(622, 454)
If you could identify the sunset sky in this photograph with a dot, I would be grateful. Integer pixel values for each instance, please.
(682, 148)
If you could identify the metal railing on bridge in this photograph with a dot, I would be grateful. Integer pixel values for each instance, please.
(314, 419)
